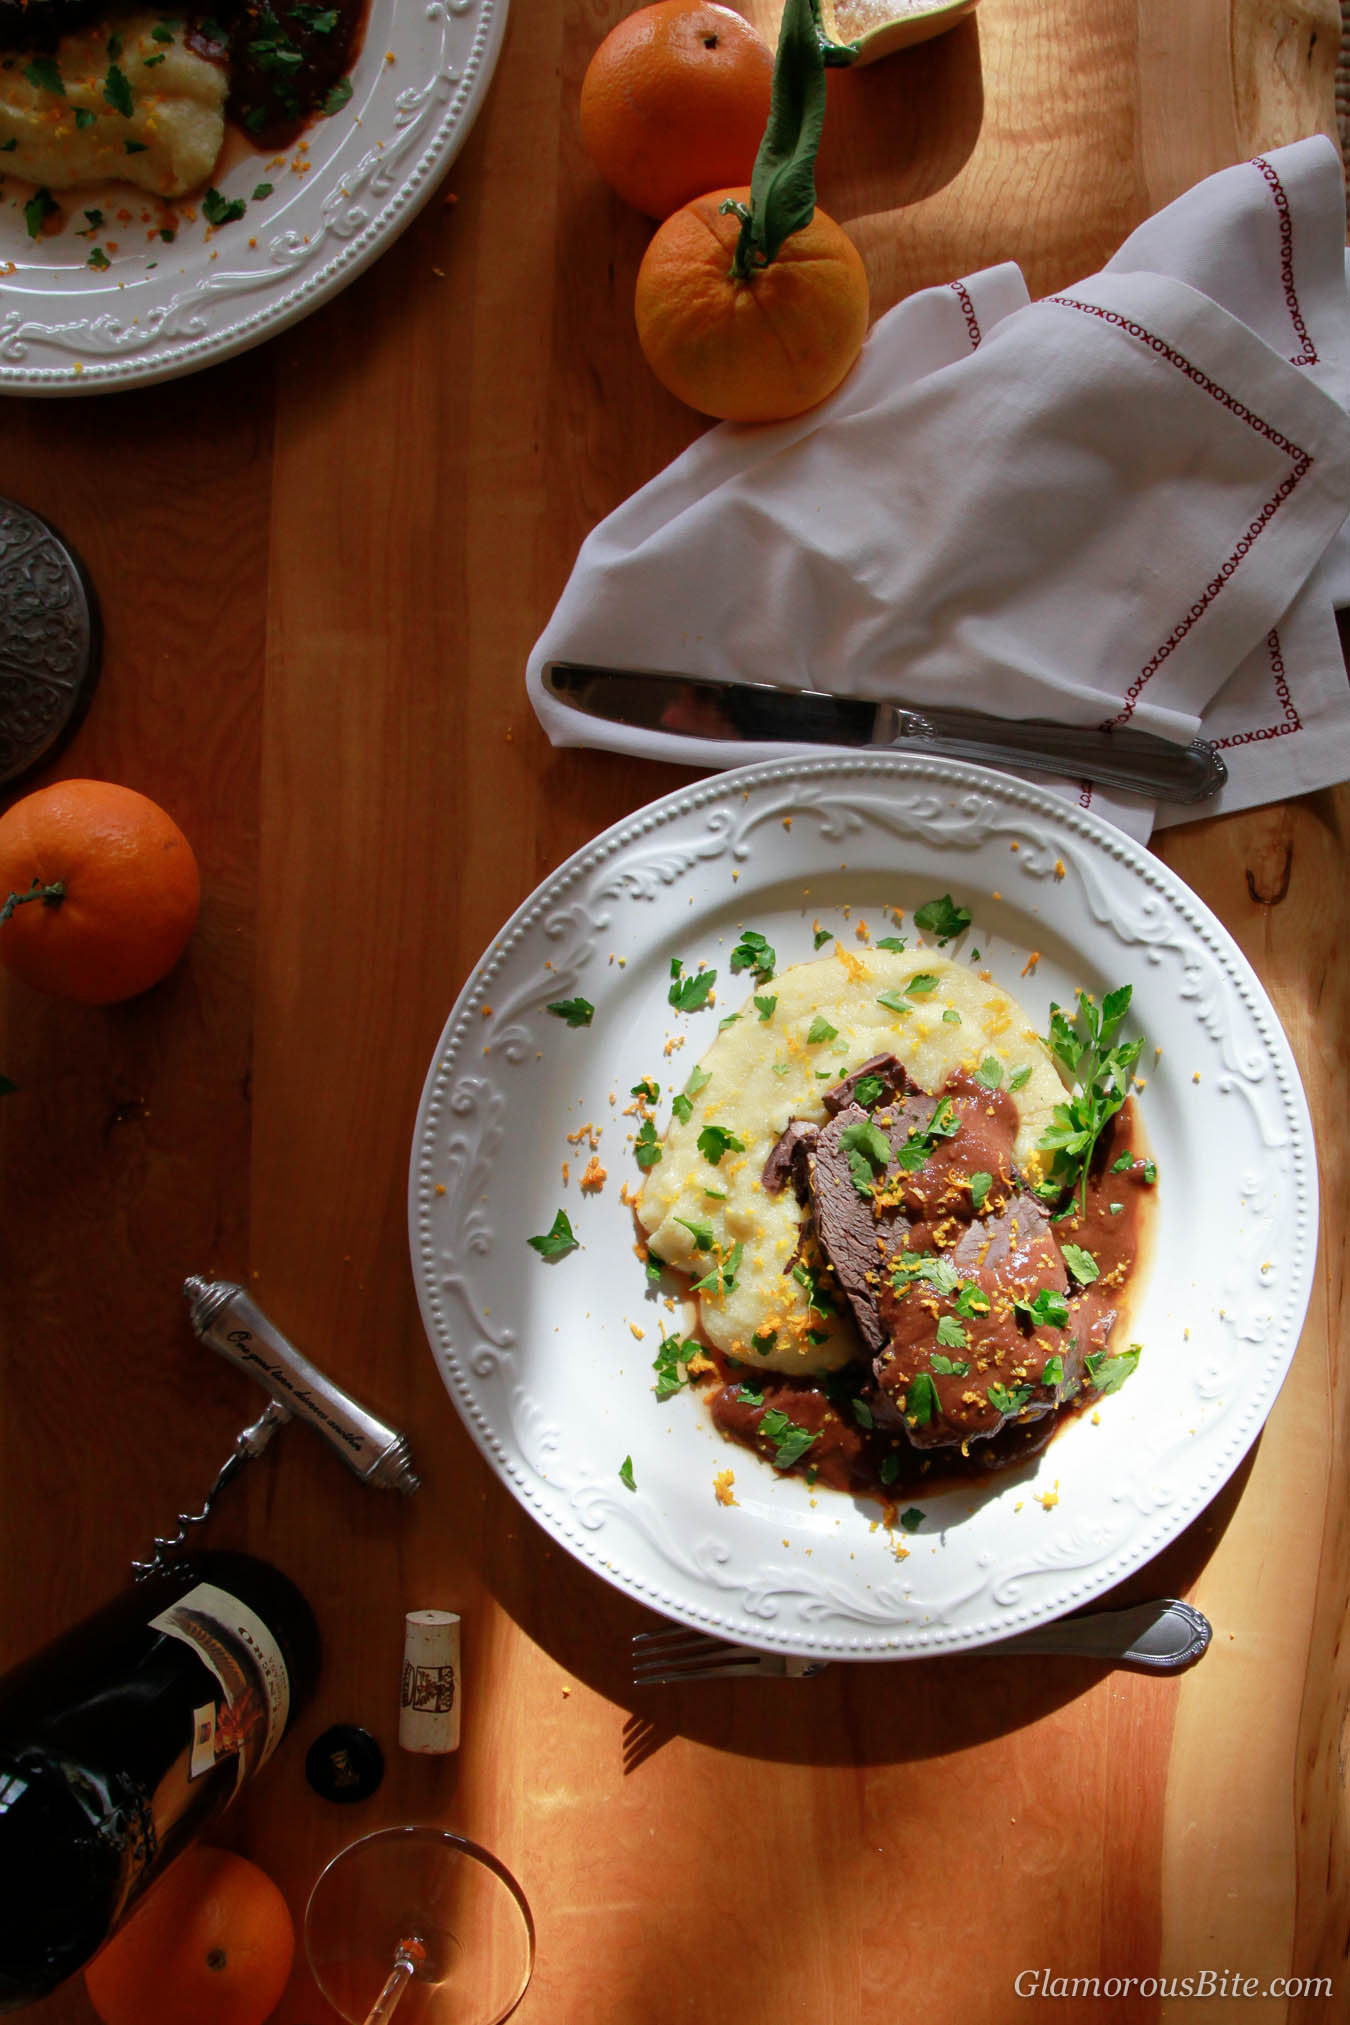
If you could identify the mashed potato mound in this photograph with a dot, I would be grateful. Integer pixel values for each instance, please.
(828, 1019)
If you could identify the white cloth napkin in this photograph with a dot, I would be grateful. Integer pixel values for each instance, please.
(1120, 503)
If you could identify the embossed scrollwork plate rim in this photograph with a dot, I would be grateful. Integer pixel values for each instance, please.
(158, 312)
(549, 1365)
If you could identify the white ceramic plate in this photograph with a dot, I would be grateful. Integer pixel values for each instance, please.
(542, 1360)
(162, 310)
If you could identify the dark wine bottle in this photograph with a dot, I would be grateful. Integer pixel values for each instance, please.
(123, 1738)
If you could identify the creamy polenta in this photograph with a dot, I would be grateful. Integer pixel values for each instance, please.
(704, 1205)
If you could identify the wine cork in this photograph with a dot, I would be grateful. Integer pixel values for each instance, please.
(429, 1702)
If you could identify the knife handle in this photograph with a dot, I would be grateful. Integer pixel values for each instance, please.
(1138, 761)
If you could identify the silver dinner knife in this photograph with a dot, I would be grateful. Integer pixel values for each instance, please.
(759, 712)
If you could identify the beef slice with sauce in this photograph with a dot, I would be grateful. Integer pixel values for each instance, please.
(1009, 1257)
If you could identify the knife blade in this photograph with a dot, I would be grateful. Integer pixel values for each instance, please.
(757, 712)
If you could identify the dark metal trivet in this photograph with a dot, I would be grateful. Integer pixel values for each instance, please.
(50, 638)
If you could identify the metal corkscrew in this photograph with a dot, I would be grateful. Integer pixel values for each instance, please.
(229, 1320)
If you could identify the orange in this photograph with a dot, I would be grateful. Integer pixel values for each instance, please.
(211, 1943)
(127, 898)
(757, 350)
(674, 102)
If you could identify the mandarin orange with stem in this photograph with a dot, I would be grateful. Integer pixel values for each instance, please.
(99, 891)
(211, 1943)
(674, 102)
(753, 349)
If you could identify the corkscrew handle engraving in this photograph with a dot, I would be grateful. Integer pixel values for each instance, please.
(252, 1441)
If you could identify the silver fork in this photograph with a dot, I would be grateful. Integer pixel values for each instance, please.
(1161, 1637)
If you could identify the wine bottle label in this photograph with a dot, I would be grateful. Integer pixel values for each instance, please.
(236, 1646)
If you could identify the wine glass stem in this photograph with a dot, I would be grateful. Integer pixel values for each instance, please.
(396, 1983)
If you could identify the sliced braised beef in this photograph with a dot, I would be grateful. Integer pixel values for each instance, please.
(788, 1160)
(970, 1329)
(883, 1069)
(846, 1224)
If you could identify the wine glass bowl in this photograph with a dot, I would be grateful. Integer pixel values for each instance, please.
(424, 1895)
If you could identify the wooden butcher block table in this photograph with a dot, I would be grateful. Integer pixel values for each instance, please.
(322, 566)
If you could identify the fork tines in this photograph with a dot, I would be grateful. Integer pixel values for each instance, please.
(663, 1657)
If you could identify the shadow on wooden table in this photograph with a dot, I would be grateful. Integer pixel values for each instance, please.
(861, 1714)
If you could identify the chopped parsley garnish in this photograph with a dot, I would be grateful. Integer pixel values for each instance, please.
(318, 20)
(944, 1124)
(746, 1395)
(790, 1440)
(262, 190)
(626, 1473)
(95, 219)
(218, 210)
(762, 1341)
(862, 1413)
(989, 1075)
(578, 1012)
(866, 1091)
(1020, 1077)
(161, 32)
(1048, 1309)
(1081, 1264)
(821, 1030)
(942, 918)
(8, 147)
(646, 1146)
(940, 1274)
(701, 1233)
(40, 207)
(722, 1278)
(1123, 1164)
(1004, 1401)
(138, 148)
(980, 1185)
(893, 1002)
(648, 1089)
(1100, 1076)
(922, 982)
(84, 118)
(819, 1300)
(951, 1018)
(671, 1362)
(1109, 1373)
(921, 1401)
(715, 1140)
(682, 1107)
(752, 952)
(559, 1238)
(950, 1333)
(117, 87)
(821, 937)
(98, 259)
(895, 943)
(275, 52)
(690, 994)
(890, 1467)
(337, 97)
(948, 1367)
(1052, 1371)
(911, 1520)
(971, 1300)
(764, 1007)
(149, 62)
(868, 1150)
(654, 1268)
(43, 73)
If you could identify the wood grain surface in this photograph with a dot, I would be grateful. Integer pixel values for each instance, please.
(322, 566)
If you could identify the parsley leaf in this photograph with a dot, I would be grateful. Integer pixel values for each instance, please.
(1048, 1309)
(1004, 1401)
(218, 210)
(821, 1030)
(951, 1018)
(753, 952)
(43, 73)
(921, 1402)
(868, 1150)
(791, 1441)
(670, 1363)
(722, 1278)
(578, 1012)
(715, 1140)
(691, 994)
(950, 1333)
(648, 1089)
(559, 1238)
(819, 1300)
(1100, 1083)
(821, 937)
(1081, 1264)
(98, 259)
(990, 1073)
(764, 1007)
(893, 1002)
(948, 1367)
(40, 207)
(866, 1091)
(890, 1467)
(980, 1185)
(626, 1473)
(337, 97)
(701, 1233)
(922, 982)
(911, 1520)
(646, 1146)
(1020, 1077)
(117, 91)
(762, 1341)
(862, 1413)
(942, 918)
(895, 943)
(1109, 1373)
(1052, 1371)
